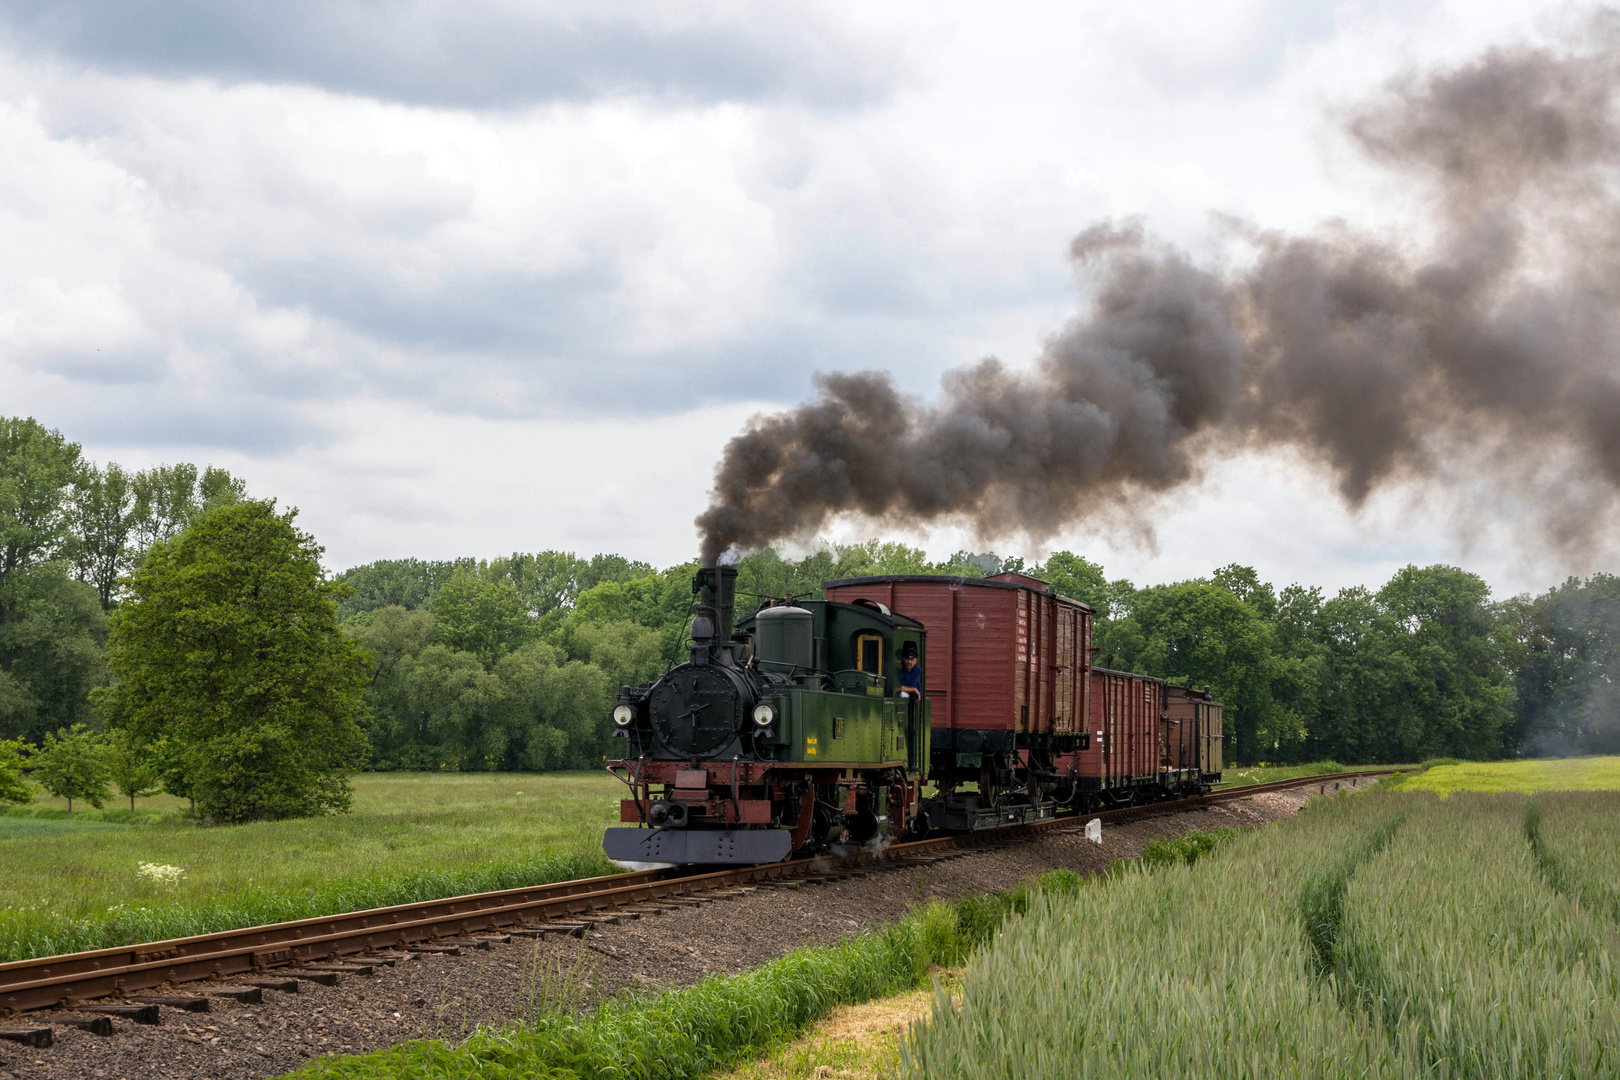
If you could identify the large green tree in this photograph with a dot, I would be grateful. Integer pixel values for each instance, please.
(628, 653)
(486, 618)
(39, 473)
(1453, 641)
(1364, 711)
(228, 645)
(557, 707)
(662, 602)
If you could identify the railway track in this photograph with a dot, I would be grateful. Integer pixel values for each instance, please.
(130, 981)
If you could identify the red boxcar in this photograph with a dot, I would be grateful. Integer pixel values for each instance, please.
(1148, 739)
(1008, 678)
(1126, 713)
(1006, 654)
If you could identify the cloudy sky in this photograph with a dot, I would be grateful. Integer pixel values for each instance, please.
(490, 276)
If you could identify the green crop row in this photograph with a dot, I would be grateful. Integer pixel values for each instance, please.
(689, 1031)
(1575, 837)
(1453, 939)
(1386, 935)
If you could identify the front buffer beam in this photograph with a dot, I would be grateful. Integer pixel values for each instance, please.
(698, 846)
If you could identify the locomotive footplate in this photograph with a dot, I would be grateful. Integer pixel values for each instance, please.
(698, 846)
(966, 815)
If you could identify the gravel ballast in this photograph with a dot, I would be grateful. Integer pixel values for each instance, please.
(440, 996)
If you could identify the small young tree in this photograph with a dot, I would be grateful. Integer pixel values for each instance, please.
(13, 788)
(228, 645)
(130, 766)
(73, 765)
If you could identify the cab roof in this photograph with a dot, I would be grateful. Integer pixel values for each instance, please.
(870, 609)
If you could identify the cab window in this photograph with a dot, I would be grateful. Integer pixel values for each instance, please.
(869, 653)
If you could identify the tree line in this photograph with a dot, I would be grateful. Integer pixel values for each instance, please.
(469, 653)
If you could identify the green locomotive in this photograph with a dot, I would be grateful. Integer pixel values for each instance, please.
(785, 734)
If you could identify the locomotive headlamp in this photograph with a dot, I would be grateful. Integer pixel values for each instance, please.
(622, 715)
(763, 714)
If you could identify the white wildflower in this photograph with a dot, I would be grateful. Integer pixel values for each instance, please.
(160, 873)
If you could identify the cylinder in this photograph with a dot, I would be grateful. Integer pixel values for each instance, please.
(784, 637)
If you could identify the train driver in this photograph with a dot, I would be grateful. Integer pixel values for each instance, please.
(910, 673)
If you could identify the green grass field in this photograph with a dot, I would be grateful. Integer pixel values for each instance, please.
(75, 883)
(1524, 777)
(13, 827)
(1265, 774)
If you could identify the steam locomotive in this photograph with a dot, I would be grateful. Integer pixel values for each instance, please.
(786, 732)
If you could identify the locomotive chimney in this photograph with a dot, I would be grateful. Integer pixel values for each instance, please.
(716, 587)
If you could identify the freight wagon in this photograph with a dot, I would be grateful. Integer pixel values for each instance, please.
(1008, 682)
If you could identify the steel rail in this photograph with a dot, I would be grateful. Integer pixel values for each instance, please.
(68, 980)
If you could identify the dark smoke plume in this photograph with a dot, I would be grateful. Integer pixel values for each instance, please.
(1370, 355)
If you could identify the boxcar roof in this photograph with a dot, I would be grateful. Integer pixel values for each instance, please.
(1099, 669)
(982, 583)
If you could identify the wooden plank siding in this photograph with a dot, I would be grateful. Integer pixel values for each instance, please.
(1125, 712)
(1004, 653)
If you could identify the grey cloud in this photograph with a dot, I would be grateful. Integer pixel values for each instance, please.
(476, 310)
(556, 342)
(107, 367)
(465, 55)
(169, 415)
(771, 361)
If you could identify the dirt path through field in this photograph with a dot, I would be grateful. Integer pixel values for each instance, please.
(447, 997)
